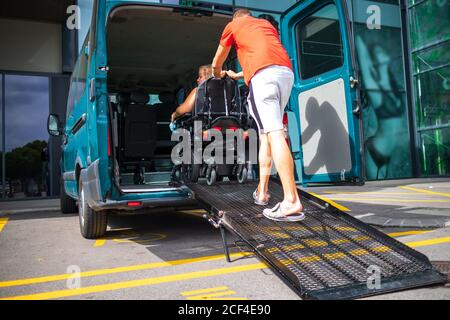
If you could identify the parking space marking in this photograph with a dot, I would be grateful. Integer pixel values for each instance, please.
(137, 283)
(3, 222)
(99, 272)
(389, 200)
(368, 192)
(407, 233)
(428, 242)
(140, 238)
(210, 294)
(426, 191)
(330, 201)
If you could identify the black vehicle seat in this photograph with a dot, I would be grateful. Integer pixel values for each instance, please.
(139, 132)
(164, 111)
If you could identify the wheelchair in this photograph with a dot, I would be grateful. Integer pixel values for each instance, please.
(219, 109)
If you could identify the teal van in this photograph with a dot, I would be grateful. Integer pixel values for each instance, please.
(138, 62)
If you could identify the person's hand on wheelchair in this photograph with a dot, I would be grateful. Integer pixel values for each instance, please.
(233, 75)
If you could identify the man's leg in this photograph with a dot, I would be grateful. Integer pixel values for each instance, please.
(285, 166)
(265, 166)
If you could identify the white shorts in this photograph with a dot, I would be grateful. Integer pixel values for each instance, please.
(270, 89)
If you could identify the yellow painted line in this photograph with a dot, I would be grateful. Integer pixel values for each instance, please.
(3, 222)
(136, 283)
(99, 242)
(228, 299)
(99, 272)
(197, 292)
(369, 193)
(429, 242)
(212, 295)
(330, 201)
(390, 200)
(407, 233)
(426, 191)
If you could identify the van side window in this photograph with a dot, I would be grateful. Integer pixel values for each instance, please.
(319, 42)
(82, 73)
(72, 91)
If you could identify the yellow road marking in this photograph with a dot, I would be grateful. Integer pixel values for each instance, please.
(210, 290)
(99, 242)
(369, 192)
(426, 191)
(136, 283)
(147, 266)
(407, 233)
(330, 201)
(3, 222)
(212, 295)
(429, 242)
(390, 200)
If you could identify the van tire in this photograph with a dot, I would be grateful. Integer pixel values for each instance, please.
(68, 204)
(93, 223)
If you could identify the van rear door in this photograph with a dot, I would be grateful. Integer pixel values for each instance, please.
(325, 118)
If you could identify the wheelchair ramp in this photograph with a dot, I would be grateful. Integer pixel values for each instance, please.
(328, 255)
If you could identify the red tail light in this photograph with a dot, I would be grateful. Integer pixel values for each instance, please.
(217, 128)
(233, 128)
(285, 119)
(134, 203)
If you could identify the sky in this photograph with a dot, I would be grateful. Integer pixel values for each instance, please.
(27, 109)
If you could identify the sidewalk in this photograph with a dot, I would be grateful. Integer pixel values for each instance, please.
(415, 203)
(38, 205)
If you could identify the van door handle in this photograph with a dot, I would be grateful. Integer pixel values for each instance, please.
(79, 123)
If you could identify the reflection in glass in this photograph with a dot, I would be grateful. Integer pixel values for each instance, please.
(26, 112)
(435, 152)
(386, 133)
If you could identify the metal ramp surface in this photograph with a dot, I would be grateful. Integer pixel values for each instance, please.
(329, 255)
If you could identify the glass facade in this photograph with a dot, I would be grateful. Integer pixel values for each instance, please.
(25, 108)
(429, 35)
(382, 73)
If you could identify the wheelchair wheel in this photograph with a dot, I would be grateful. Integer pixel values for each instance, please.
(193, 171)
(211, 178)
(242, 177)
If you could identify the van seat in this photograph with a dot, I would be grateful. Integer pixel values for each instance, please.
(164, 111)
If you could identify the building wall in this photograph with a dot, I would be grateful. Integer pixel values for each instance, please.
(30, 46)
(429, 31)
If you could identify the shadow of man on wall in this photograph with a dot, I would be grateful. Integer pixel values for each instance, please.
(333, 145)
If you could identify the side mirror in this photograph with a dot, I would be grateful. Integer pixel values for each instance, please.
(53, 126)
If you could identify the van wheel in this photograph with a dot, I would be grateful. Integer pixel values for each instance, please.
(92, 223)
(68, 204)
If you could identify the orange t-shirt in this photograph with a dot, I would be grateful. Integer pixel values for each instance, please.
(257, 44)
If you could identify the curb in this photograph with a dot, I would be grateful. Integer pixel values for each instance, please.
(381, 221)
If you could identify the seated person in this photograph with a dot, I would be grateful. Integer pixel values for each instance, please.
(204, 73)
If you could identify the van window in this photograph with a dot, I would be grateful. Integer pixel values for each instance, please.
(82, 73)
(319, 42)
(154, 98)
(72, 91)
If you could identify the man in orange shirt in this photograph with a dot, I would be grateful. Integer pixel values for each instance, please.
(267, 70)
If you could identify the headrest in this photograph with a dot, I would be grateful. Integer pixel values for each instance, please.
(167, 97)
(123, 98)
(140, 97)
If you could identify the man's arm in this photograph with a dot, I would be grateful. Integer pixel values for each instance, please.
(220, 57)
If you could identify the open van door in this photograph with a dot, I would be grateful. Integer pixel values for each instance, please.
(325, 122)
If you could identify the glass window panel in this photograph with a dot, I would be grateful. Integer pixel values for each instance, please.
(27, 108)
(431, 58)
(432, 91)
(429, 23)
(319, 42)
(380, 59)
(435, 152)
